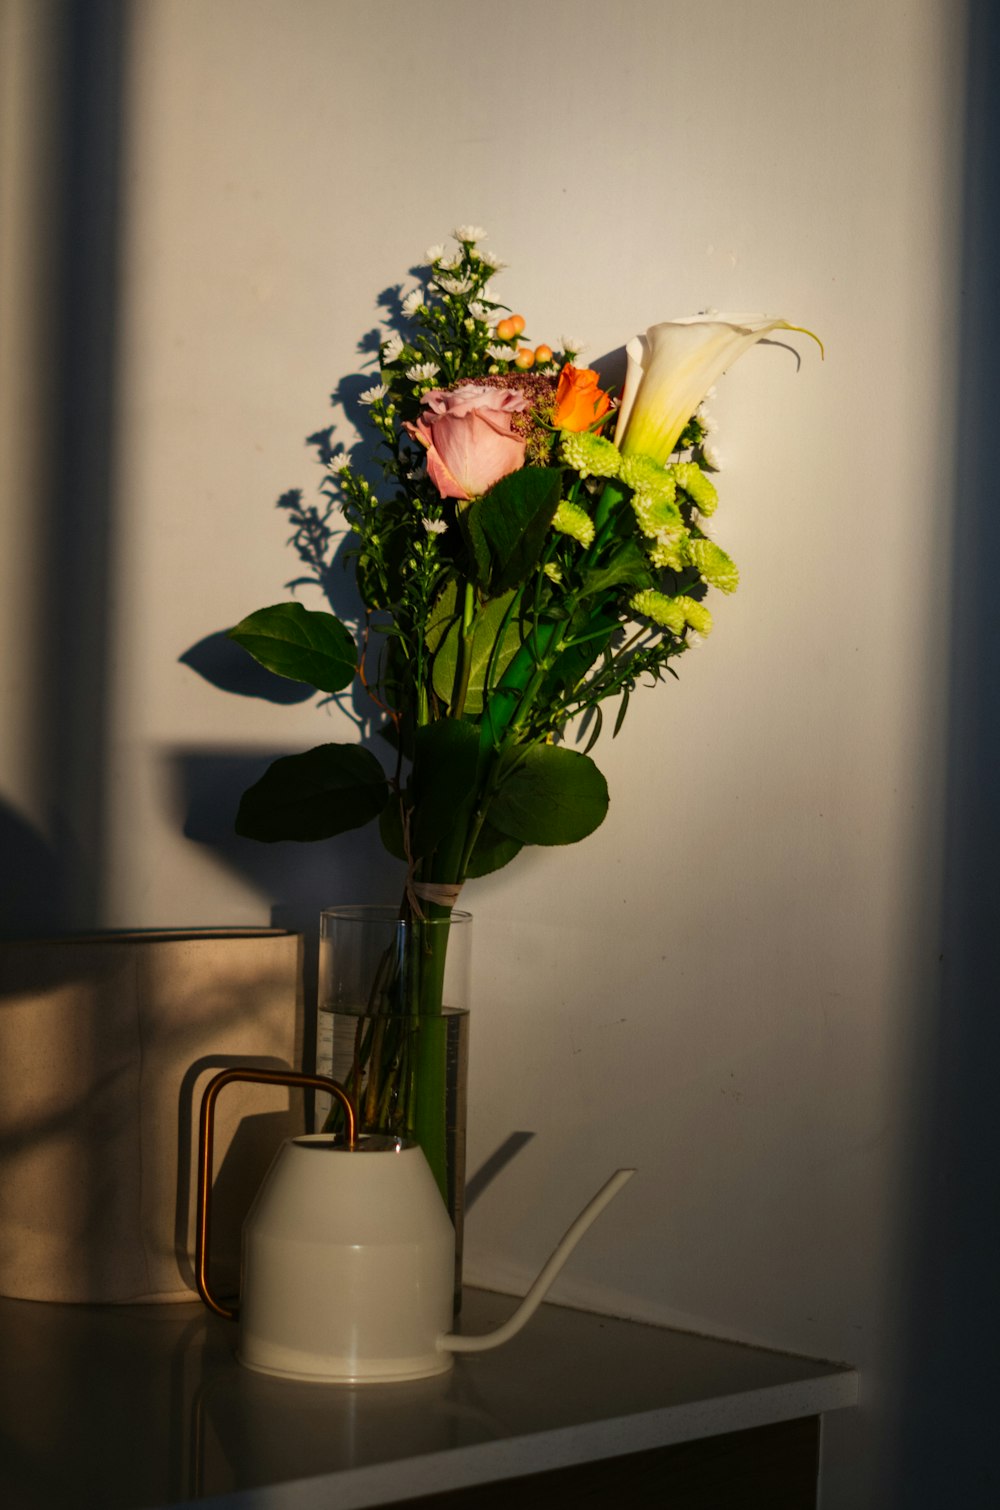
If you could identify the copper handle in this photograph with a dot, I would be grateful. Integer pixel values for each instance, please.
(206, 1131)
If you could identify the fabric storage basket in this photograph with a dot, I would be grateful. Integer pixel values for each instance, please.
(106, 1043)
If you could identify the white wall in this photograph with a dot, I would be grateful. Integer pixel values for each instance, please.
(720, 985)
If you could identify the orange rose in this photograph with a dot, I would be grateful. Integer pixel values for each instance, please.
(579, 401)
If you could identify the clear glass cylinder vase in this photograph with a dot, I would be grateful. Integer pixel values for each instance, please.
(393, 1029)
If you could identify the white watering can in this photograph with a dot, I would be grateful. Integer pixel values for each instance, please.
(349, 1255)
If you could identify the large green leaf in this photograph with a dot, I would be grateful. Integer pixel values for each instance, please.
(491, 851)
(445, 765)
(295, 642)
(314, 795)
(513, 519)
(554, 796)
(488, 625)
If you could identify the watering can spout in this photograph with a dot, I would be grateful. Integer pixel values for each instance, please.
(529, 1305)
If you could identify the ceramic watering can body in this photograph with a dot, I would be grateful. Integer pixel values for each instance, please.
(348, 1265)
(349, 1255)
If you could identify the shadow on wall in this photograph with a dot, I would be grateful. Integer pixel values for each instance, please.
(49, 886)
(54, 882)
(302, 878)
(33, 900)
(350, 868)
(948, 1394)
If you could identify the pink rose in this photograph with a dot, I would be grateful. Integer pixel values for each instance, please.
(469, 440)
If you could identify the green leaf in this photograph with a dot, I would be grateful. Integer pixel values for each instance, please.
(622, 710)
(628, 567)
(314, 795)
(472, 529)
(302, 645)
(595, 732)
(514, 519)
(491, 851)
(443, 615)
(554, 796)
(445, 766)
(571, 666)
(484, 636)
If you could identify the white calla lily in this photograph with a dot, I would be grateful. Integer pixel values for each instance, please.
(672, 367)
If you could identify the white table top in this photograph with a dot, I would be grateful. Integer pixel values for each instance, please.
(129, 1408)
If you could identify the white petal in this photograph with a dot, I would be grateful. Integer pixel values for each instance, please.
(672, 367)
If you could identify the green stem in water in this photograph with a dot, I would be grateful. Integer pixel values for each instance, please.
(427, 1047)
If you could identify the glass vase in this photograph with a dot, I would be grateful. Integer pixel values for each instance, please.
(392, 1028)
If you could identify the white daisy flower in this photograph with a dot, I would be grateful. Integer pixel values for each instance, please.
(434, 526)
(449, 264)
(480, 312)
(431, 255)
(711, 456)
(413, 301)
(468, 233)
(391, 348)
(705, 419)
(493, 261)
(502, 353)
(337, 464)
(373, 394)
(571, 346)
(455, 285)
(421, 370)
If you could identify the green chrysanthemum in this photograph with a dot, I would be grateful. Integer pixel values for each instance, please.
(696, 615)
(590, 455)
(656, 513)
(672, 613)
(714, 565)
(658, 607)
(644, 475)
(570, 519)
(699, 488)
(670, 548)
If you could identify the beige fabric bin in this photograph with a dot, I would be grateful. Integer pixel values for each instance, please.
(106, 1044)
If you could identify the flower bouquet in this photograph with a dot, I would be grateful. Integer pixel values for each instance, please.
(533, 547)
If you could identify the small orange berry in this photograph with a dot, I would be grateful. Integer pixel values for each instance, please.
(543, 354)
(517, 321)
(506, 330)
(525, 358)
